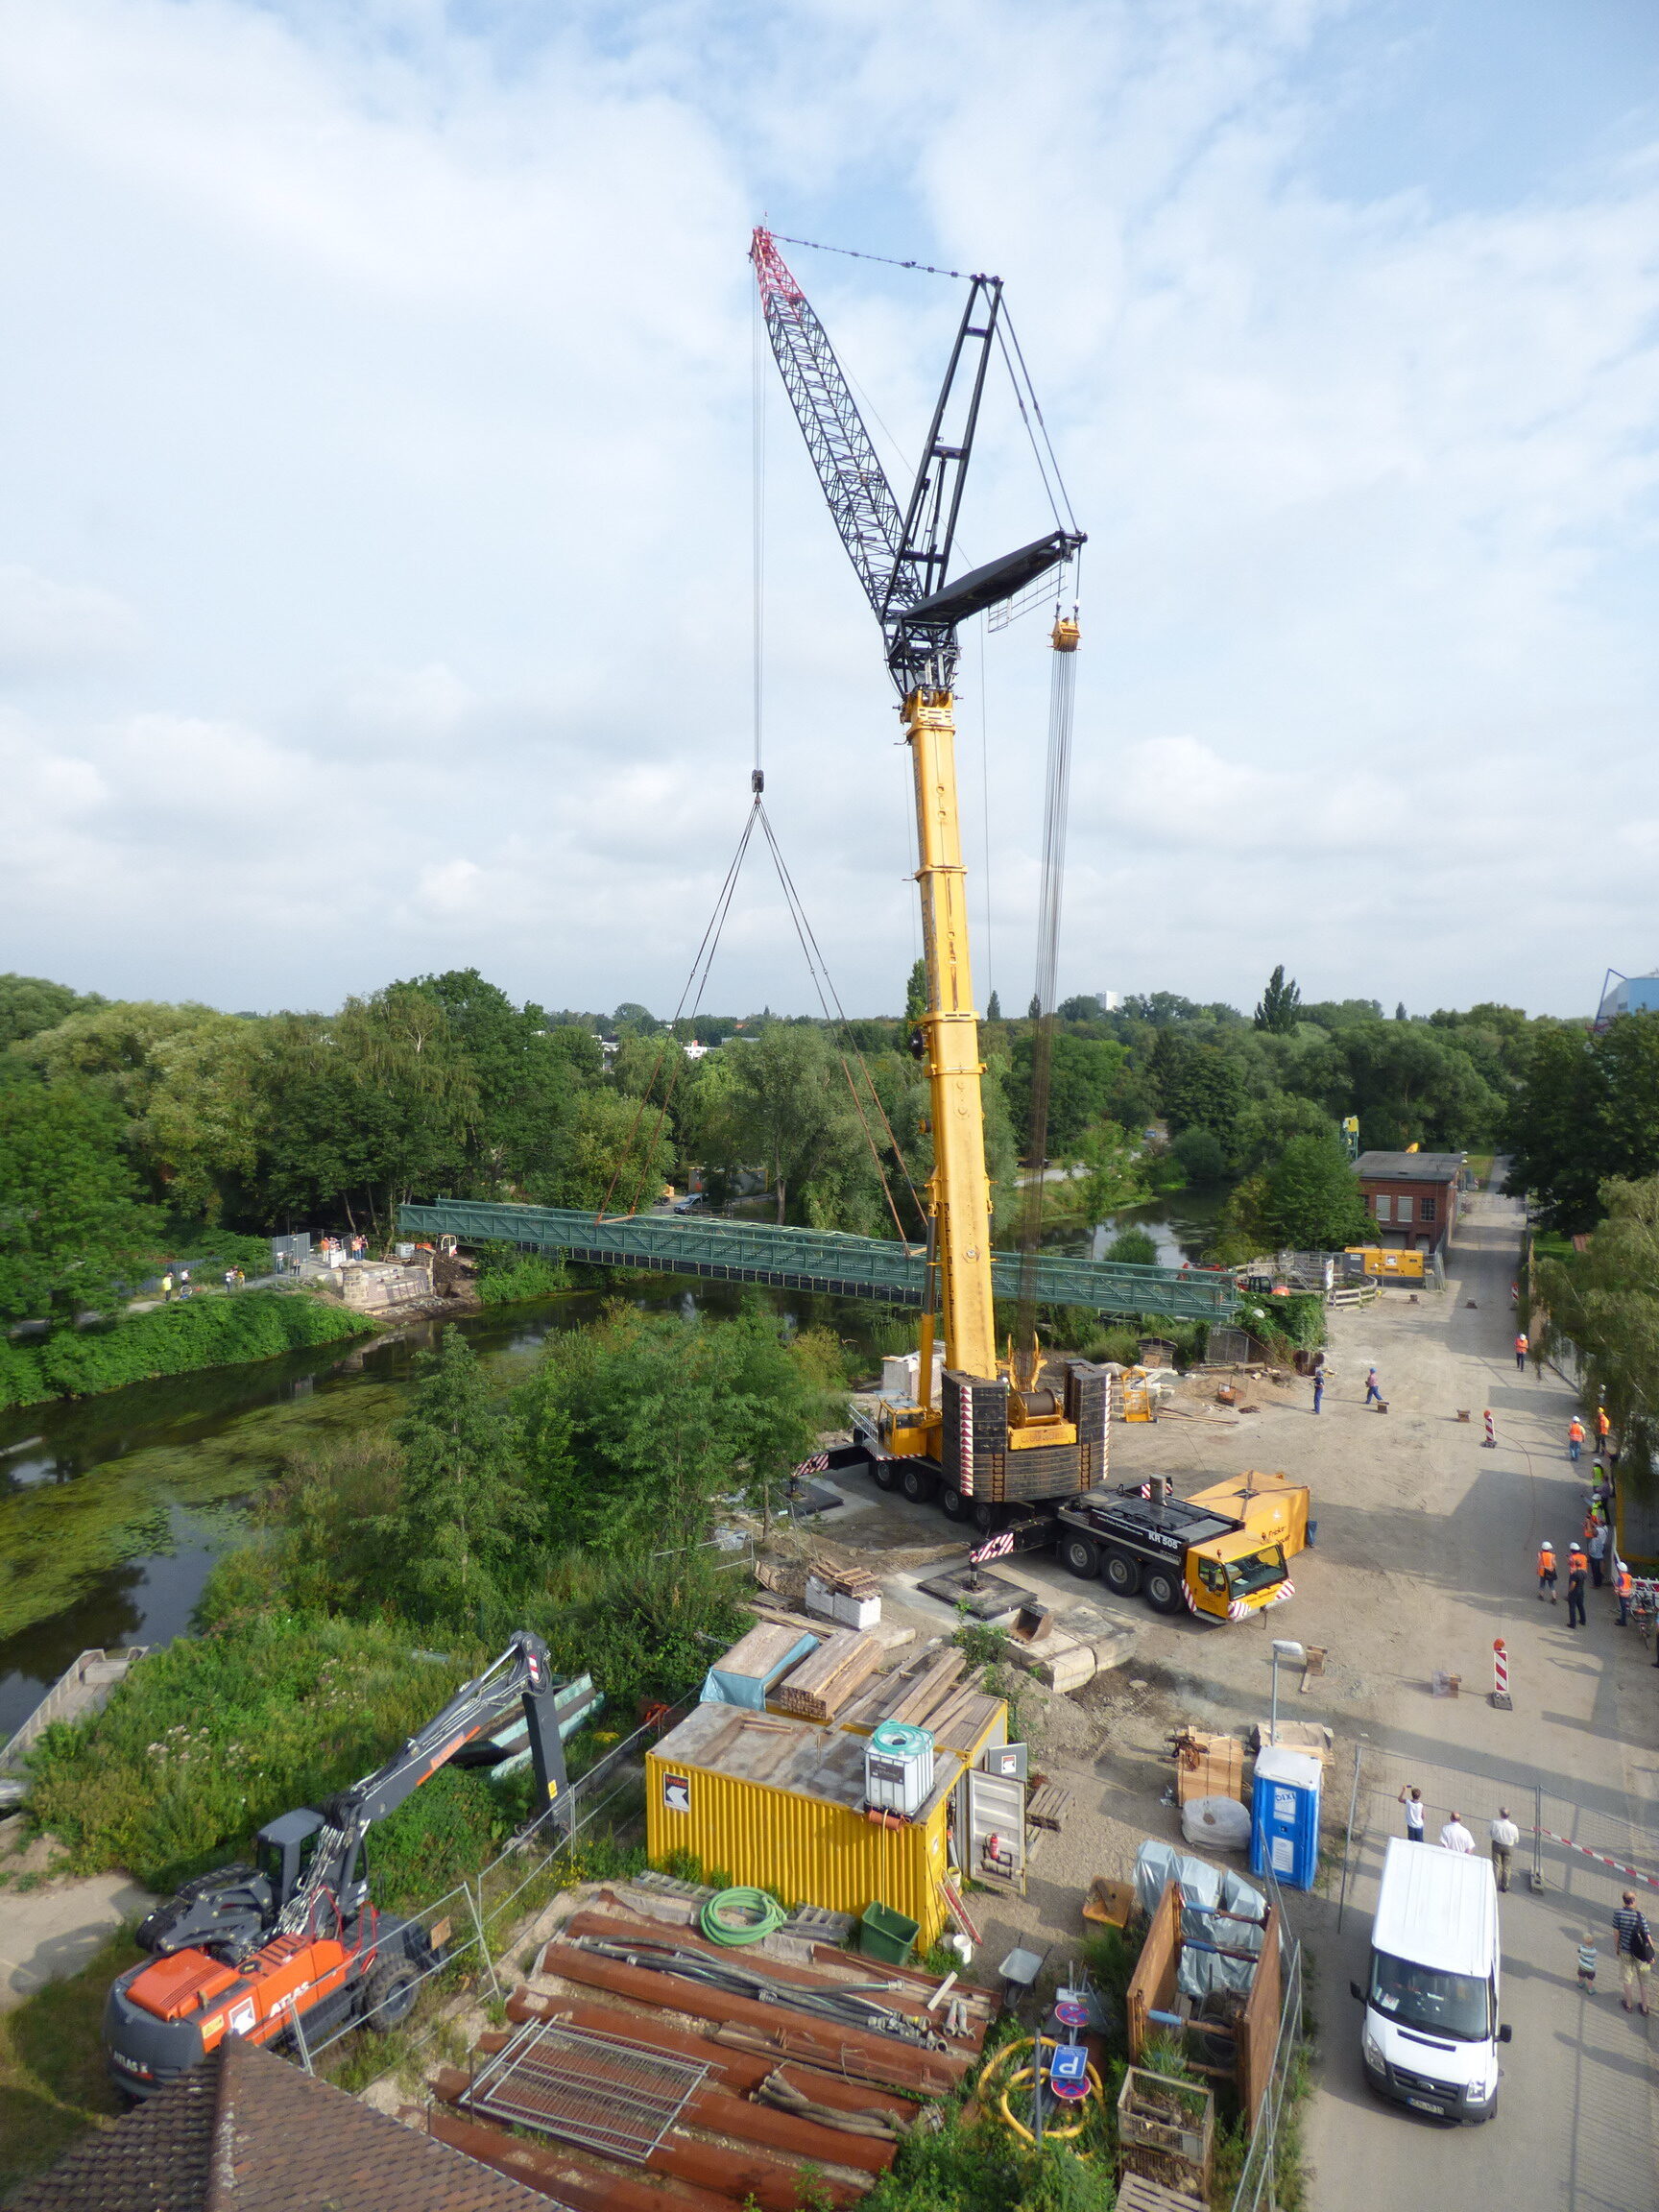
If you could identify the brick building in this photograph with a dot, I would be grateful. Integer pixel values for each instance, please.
(1411, 1196)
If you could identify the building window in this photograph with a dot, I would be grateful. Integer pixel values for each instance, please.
(1384, 1207)
(1426, 1208)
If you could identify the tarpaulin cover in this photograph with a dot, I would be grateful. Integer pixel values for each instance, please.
(1205, 1936)
(750, 1690)
(1156, 1863)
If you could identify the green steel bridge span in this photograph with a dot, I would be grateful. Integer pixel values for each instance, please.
(723, 1251)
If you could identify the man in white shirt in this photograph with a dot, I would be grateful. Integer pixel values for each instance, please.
(1454, 1836)
(1505, 1838)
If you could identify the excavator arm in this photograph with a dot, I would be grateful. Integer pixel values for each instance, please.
(522, 1674)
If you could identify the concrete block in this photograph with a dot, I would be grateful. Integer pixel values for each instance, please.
(1060, 1662)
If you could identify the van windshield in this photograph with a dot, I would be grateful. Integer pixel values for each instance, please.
(1455, 2005)
(1260, 1571)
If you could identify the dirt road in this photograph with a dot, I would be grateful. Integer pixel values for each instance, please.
(1425, 1553)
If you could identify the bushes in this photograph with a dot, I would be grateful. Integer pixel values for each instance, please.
(210, 1737)
(175, 1340)
(535, 1276)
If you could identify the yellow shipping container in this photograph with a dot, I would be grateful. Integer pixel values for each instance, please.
(777, 1805)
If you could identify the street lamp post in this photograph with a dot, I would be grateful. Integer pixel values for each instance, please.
(1284, 1648)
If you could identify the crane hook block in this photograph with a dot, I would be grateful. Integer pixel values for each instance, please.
(757, 780)
(1065, 635)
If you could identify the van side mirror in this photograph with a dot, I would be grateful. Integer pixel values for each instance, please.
(1355, 1992)
(1505, 2034)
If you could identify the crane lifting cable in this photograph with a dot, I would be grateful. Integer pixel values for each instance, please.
(866, 1100)
(1056, 797)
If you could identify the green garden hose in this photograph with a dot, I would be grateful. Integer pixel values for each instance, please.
(734, 1917)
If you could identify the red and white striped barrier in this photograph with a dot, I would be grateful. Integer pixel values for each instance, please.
(996, 1547)
(1500, 1676)
(1633, 1873)
(818, 1465)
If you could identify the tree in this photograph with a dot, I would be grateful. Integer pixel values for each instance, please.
(1081, 1074)
(1586, 1112)
(636, 1428)
(525, 1077)
(613, 1151)
(365, 1108)
(1605, 1300)
(631, 1016)
(1201, 1155)
(1409, 1085)
(1279, 1009)
(464, 1513)
(1034, 1012)
(1082, 1008)
(72, 1231)
(1113, 1175)
(29, 1004)
(1311, 1199)
(916, 992)
(782, 1103)
(1399, 1011)
(1198, 1085)
(994, 1008)
(1133, 1247)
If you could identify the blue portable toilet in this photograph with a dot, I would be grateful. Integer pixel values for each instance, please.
(1284, 1816)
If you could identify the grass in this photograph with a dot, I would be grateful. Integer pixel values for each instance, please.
(173, 1340)
(213, 1736)
(52, 2082)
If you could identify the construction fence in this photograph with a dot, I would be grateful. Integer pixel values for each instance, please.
(1256, 2190)
(470, 1925)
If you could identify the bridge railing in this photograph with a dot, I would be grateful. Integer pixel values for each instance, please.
(822, 1260)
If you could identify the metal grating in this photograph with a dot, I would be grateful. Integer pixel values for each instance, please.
(594, 2091)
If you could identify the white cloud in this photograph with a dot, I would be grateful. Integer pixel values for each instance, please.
(392, 381)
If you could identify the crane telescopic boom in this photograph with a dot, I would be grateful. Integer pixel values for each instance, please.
(902, 560)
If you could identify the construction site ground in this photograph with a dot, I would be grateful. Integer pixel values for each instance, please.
(1425, 1555)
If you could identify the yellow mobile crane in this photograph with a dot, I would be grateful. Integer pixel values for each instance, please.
(995, 1436)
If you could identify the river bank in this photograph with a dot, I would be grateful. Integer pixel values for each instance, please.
(113, 1509)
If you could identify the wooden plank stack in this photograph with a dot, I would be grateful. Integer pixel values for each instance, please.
(758, 1656)
(827, 1678)
(1208, 1766)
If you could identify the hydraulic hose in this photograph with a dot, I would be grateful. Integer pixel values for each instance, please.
(734, 1917)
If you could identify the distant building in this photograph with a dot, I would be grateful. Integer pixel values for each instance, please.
(1411, 1196)
(1110, 1000)
(1628, 994)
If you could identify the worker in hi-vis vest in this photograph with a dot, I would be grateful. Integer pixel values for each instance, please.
(1547, 1572)
(1624, 1588)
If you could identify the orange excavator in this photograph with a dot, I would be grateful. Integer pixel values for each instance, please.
(293, 1944)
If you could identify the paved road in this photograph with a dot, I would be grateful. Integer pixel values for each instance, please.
(1425, 1555)
(1578, 2120)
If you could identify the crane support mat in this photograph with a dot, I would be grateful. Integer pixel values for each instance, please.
(987, 1597)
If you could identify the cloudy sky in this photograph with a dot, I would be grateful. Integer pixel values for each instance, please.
(376, 413)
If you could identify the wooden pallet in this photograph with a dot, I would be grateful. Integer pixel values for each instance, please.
(1208, 1766)
(1048, 1807)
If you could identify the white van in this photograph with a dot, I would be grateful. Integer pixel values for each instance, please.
(1431, 2035)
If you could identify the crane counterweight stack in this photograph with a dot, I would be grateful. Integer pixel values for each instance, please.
(995, 1436)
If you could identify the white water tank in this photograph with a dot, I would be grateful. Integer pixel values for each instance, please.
(902, 1371)
(899, 1768)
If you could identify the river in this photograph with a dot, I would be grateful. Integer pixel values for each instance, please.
(114, 1509)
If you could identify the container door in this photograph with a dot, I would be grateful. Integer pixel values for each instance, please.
(995, 1830)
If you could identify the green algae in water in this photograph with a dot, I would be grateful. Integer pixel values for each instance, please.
(56, 1541)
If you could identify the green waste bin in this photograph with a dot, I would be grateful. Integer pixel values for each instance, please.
(884, 1933)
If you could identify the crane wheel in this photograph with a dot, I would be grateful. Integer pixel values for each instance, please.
(917, 1484)
(1121, 1572)
(389, 1995)
(1161, 1590)
(1080, 1556)
(883, 1474)
(952, 1502)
